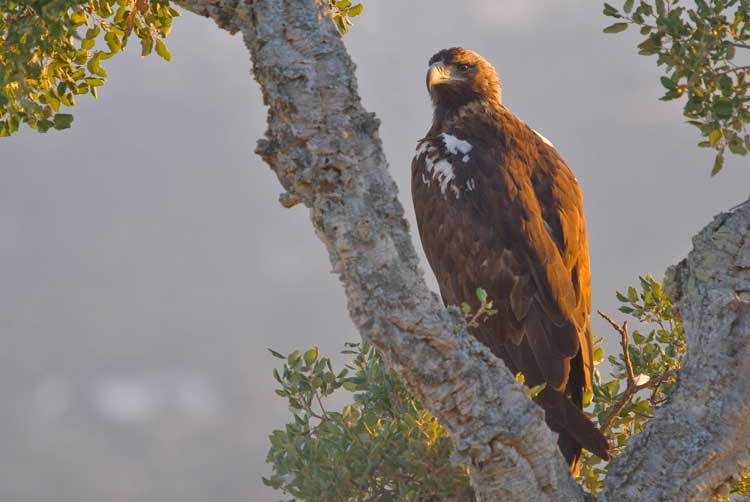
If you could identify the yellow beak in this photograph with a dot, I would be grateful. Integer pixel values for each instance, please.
(437, 74)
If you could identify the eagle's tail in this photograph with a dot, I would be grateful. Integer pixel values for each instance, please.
(574, 428)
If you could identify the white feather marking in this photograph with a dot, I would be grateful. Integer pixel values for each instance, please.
(455, 145)
(442, 171)
(470, 184)
(543, 138)
(424, 147)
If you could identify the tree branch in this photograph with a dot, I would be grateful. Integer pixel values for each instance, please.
(326, 151)
(700, 439)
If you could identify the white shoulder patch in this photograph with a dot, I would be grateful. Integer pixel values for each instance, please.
(455, 145)
(438, 167)
(543, 138)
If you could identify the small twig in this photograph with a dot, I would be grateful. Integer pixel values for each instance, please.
(625, 342)
(320, 403)
(732, 70)
(632, 389)
(474, 322)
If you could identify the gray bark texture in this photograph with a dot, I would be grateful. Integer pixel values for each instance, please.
(325, 149)
(700, 439)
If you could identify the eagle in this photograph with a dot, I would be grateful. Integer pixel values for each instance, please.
(497, 208)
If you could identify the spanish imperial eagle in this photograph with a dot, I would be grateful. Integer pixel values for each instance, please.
(498, 209)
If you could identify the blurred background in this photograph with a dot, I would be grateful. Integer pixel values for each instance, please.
(146, 265)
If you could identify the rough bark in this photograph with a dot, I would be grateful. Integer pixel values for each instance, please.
(700, 439)
(324, 148)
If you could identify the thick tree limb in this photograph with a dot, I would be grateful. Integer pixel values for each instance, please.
(700, 438)
(325, 149)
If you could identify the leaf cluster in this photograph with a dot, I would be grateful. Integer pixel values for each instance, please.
(641, 376)
(342, 12)
(485, 309)
(703, 50)
(384, 446)
(52, 51)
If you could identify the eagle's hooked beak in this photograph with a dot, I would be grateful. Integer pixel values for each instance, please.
(437, 74)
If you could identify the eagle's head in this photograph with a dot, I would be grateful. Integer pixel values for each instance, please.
(458, 76)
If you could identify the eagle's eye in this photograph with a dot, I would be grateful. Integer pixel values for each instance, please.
(462, 67)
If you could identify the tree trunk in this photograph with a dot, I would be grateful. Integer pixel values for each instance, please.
(325, 149)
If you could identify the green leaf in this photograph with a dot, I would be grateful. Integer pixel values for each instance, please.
(718, 164)
(62, 120)
(725, 82)
(534, 391)
(616, 28)
(714, 137)
(650, 46)
(311, 356)
(660, 8)
(147, 44)
(161, 49)
(723, 108)
(668, 83)
(588, 396)
(355, 11)
(628, 6)
(44, 125)
(736, 147)
(94, 65)
(481, 295)
(276, 354)
(113, 42)
(341, 24)
(610, 11)
(632, 294)
(293, 358)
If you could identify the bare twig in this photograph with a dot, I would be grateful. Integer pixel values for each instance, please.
(632, 388)
(625, 342)
(484, 308)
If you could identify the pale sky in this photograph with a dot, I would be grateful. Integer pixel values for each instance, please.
(146, 264)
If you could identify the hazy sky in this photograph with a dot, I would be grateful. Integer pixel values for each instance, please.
(146, 264)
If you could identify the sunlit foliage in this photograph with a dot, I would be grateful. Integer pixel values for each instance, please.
(383, 446)
(343, 11)
(52, 51)
(386, 446)
(702, 46)
(641, 375)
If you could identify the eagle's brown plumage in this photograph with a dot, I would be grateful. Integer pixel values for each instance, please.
(497, 208)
